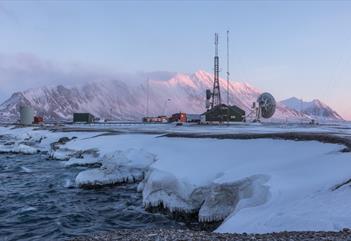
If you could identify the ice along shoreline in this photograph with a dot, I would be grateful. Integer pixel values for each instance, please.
(164, 183)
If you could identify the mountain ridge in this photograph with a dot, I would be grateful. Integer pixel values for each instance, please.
(314, 108)
(126, 100)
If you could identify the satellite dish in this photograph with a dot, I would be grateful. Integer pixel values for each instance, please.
(267, 105)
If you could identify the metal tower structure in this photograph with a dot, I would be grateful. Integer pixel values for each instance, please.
(147, 96)
(228, 75)
(216, 93)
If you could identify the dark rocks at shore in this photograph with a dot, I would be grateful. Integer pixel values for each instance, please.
(189, 219)
(95, 186)
(62, 141)
(181, 235)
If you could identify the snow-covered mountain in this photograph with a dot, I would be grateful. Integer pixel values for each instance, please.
(315, 108)
(126, 100)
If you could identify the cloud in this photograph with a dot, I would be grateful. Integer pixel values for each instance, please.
(23, 71)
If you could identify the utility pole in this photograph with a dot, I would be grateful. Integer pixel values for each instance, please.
(301, 110)
(165, 105)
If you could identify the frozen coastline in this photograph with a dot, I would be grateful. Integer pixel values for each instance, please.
(255, 185)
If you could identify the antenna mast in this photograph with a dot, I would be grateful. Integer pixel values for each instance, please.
(228, 74)
(147, 96)
(216, 94)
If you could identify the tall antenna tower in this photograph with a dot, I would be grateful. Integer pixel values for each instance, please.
(147, 96)
(216, 93)
(228, 74)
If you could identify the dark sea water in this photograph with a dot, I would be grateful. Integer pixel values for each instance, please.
(38, 201)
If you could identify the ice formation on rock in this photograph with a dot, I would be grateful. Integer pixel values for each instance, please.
(224, 199)
(62, 154)
(164, 188)
(213, 202)
(18, 148)
(117, 167)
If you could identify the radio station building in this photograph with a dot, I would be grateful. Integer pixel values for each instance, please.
(83, 118)
(222, 113)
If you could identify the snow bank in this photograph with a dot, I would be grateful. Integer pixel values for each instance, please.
(246, 181)
(21, 140)
(243, 182)
(117, 167)
(39, 138)
(18, 148)
(256, 186)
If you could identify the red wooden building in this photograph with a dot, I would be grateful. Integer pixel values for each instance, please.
(178, 117)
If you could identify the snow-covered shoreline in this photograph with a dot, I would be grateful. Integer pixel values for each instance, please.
(252, 185)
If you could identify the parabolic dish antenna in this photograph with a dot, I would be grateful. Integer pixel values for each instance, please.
(267, 105)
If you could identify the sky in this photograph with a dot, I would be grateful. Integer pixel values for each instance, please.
(288, 48)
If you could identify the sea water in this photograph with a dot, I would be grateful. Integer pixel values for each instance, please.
(39, 201)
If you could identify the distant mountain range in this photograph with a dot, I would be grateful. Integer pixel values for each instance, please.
(127, 100)
(315, 108)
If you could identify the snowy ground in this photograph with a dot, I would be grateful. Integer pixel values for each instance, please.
(341, 127)
(256, 186)
(39, 139)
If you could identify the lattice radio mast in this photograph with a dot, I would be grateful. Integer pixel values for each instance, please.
(216, 93)
(147, 96)
(228, 75)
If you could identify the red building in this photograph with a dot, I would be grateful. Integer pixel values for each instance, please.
(38, 120)
(178, 117)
